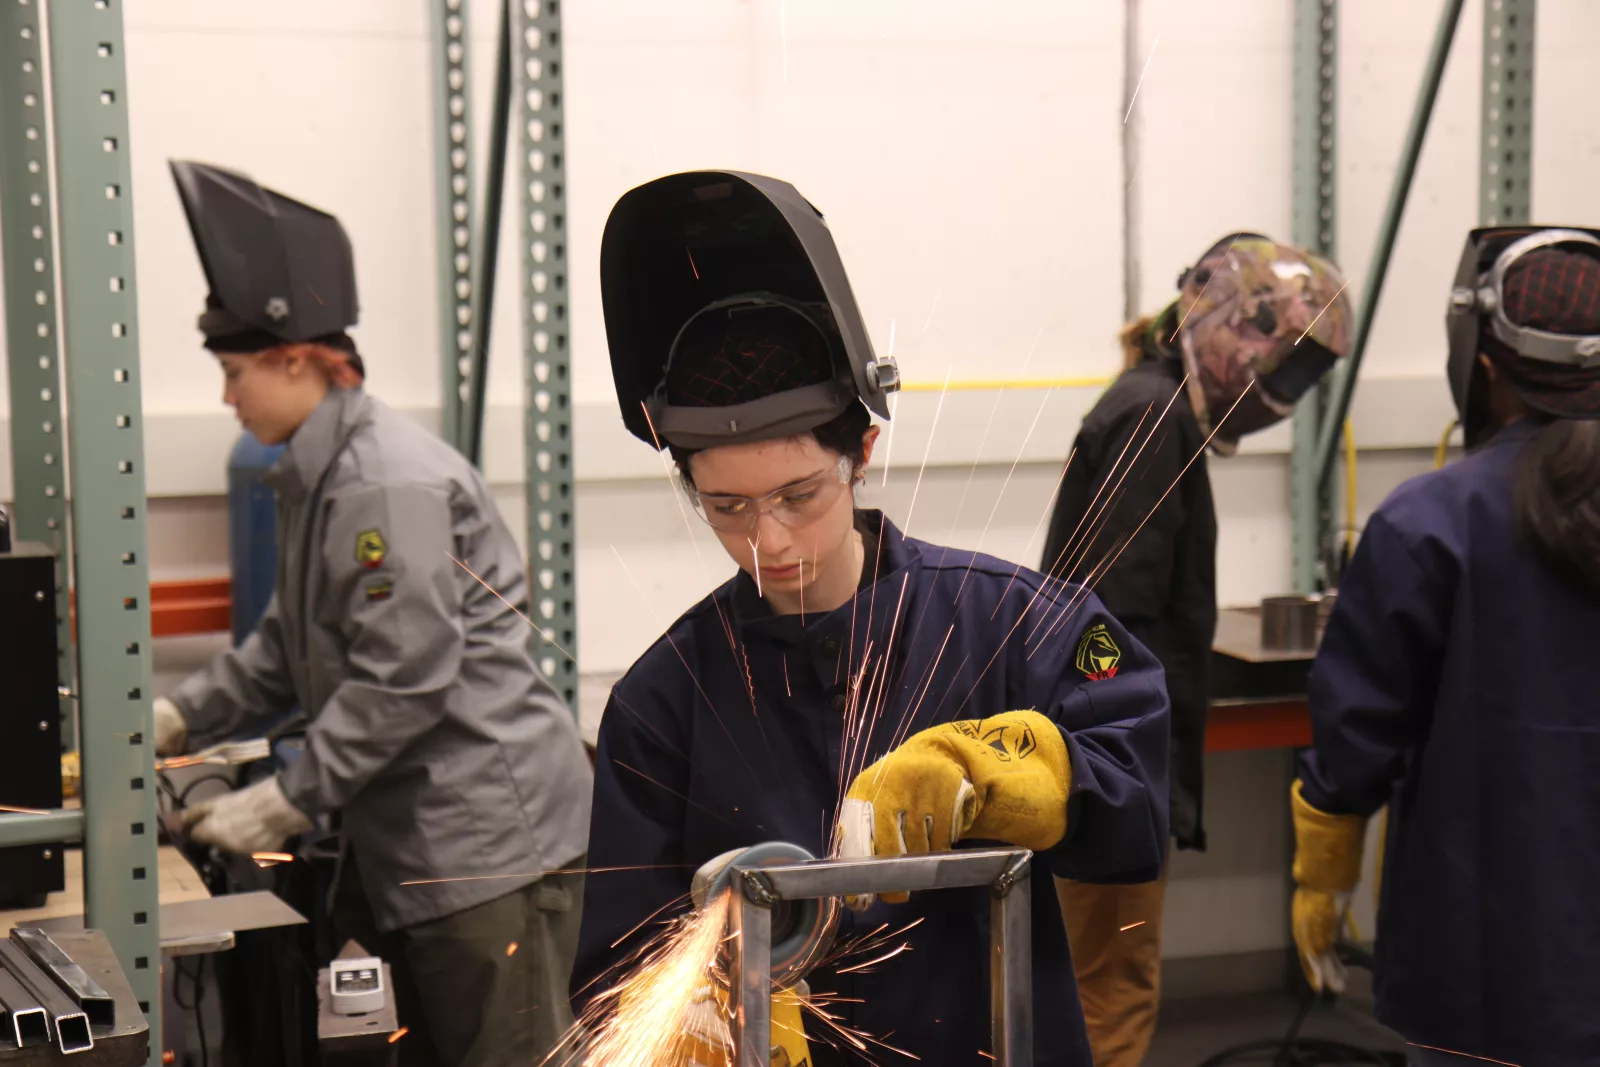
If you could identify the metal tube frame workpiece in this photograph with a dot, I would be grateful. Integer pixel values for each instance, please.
(755, 890)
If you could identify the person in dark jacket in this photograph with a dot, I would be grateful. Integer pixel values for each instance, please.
(1255, 325)
(1457, 683)
(984, 701)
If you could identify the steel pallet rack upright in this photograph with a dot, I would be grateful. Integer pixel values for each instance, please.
(547, 347)
(104, 439)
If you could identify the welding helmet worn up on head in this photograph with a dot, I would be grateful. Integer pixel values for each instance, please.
(729, 314)
(279, 271)
(1529, 298)
(1260, 324)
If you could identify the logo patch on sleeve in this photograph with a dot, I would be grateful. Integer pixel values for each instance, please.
(371, 549)
(379, 591)
(1098, 655)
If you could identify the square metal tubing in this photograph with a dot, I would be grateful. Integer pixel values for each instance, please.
(1005, 871)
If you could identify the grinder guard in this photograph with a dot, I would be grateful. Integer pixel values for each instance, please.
(802, 930)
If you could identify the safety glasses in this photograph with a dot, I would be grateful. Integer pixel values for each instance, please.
(794, 505)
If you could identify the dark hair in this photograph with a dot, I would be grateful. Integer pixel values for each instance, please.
(1558, 499)
(842, 434)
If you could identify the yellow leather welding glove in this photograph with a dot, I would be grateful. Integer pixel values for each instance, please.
(1004, 778)
(707, 1038)
(1327, 867)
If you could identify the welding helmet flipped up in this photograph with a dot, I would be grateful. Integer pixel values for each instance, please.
(1557, 373)
(1255, 312)
(280, 272)
(685, 255)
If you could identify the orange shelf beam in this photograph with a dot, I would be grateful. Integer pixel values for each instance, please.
(200, 606)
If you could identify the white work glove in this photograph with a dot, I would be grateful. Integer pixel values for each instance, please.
(171, 732)
(255, 819)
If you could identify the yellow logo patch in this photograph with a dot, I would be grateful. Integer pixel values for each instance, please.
(1098, 655)
(371, 549)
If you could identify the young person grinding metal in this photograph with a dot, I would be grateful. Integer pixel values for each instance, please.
(1254, 325)
(1456, 683)
(430, 734)
(936, 691)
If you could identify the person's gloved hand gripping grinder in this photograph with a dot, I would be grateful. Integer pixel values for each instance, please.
(1004, 778)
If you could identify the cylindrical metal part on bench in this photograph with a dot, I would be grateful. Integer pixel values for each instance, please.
(84, 991)
(70, 1024)
(22, 1017)
(1289, 623)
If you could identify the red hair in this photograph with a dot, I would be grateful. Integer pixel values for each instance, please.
(333, 363)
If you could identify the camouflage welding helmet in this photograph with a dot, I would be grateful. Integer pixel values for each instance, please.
(1256, 312)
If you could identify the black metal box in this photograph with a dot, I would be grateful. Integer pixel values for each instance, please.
(30, 717)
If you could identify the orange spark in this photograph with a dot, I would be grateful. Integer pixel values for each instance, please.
(863, 966)
(1130, 926)
(511, 949)
(1466, 1055)
(271, 859)
(691, 263)
(23, 811)
(651, 1017)
(1202, 292)
(398, 1034)
(549, 638)
(1321, 313)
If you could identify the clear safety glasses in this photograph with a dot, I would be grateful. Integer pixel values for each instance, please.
(794, 505)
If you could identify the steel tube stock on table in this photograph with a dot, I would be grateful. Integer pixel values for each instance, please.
(71, 1025)
(1005, 871)
(23, 1021)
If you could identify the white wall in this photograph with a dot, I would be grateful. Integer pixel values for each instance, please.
(967, 159)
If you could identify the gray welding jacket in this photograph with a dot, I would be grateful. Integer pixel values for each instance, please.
(430, 730)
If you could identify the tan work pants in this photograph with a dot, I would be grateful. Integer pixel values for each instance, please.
(1114, 932)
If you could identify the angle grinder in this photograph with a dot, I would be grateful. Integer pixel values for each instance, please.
(802, 930)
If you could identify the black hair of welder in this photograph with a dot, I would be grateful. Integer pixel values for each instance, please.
(842, 435)
(1558, 478)
(1558, 499)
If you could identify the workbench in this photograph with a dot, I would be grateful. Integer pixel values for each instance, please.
(126, 1044)
(193, 922)
(1258, 695)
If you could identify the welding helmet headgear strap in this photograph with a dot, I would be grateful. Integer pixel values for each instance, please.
(780, 414)
(1477, 303)
(678, 245)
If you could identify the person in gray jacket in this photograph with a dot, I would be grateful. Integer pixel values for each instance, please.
(457, 776)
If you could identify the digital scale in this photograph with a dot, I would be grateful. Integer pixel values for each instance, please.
(357, 985)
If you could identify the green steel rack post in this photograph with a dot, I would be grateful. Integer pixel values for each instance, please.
(1505, 151)
(453, 194)
(106, 438)
(1316, 37)
(27, 231)
(547, 351)
(1344, 378)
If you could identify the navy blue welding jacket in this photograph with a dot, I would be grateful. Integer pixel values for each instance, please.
(731, 730)
(1457, 681)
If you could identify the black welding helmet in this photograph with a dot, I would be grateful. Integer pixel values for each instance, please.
(279, 271)
(711, 258)
(1556, 371)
